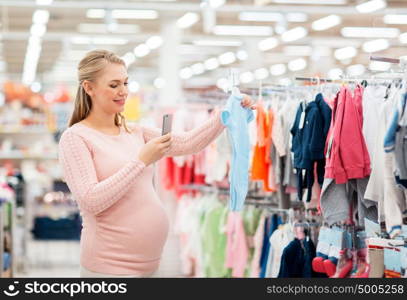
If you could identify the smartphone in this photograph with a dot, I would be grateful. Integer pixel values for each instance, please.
(167, 124)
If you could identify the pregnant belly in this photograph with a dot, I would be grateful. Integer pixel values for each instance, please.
(132, 231)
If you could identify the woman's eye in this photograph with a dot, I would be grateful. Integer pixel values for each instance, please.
(113, 86)
(126, 83)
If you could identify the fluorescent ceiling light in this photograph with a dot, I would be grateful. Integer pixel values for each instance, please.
(379, 66)
(297, 64)
(109, 41)
(297, 50)
(143, 14)
(227, 58)
(371, 6)
(278, 69)
(185, 73)
(129, 58)
(154, 42)
(335, 73)
(376, 45)
(403, 38)
(296, 17)
(268, 44)
(395, 19)
(242, 30)
(80, 40)
(103, 28)
(95, 13)
(221, 43)
(355, 70)
(321, 2)
(345, 53)
(40, 16)
(38, 30)
(141, 50)
(242, 55)
(211, 63)
(370, 32)
(246, 77)
(216, 3)
(198, 68)
(260, 16)
(326, 22)
(222, 83)
(261, 73)
(44, 2)
(294, 34)
(134, 86)
(187, 20)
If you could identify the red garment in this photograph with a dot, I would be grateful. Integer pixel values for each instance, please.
(348, 157)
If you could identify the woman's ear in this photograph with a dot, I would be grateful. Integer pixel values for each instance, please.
(87, 86)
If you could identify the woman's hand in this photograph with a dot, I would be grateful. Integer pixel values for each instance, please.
(248, 102)
(155, 149)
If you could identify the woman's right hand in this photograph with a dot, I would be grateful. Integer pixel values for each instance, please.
(155, 149)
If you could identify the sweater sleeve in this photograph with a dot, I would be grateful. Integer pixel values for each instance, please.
(192, 141)
(80, 174)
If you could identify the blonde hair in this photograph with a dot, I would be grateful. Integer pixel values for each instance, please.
(88, 69)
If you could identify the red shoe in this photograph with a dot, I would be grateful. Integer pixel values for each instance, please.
(345, 264)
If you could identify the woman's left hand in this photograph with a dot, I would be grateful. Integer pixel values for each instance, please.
(248, 102)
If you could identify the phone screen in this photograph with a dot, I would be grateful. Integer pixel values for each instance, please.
(167, 122)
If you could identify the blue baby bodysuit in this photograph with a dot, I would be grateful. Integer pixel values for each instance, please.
(236, 118)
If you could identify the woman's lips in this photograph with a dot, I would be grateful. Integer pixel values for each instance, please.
(120, 101)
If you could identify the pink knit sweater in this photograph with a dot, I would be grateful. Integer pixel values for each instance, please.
(124, 223)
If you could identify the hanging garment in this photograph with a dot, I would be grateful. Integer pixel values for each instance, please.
(347, 155)
(296, 261)
(236, 119)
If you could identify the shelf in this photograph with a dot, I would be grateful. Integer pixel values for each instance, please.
(20, 156)
(28, 132)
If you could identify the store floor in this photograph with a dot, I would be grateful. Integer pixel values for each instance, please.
(61, 258)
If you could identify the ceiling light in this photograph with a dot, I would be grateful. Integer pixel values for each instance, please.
(109, 41)
(216, 3)
(211, 63)
(242, 55)
(376, 45)
(154, 42)
(260, 16)
(40, 16)
(379, 66)
(345, 52)
(296, 17)
(134, 86)
(371, 6)
(395, 19)
(159, 83)
(198, 68)
(242, 30)
(246, 77)
(326, 22)
(322, 2)
(297, 64)
(129, 58)
(227, 58)
(278, 69)
(141, 50)
(143, 14)
(268, 44)
(294, 34)
(222, 43)
(222, 83)
(297, 50)
(80, 40)
(185, 73)
(335, 73)
(44, 2)
(403, 38)
(261, 73)
(370, 32)
(103, 28)
(355, 70)
(38, 30)
(187, 20)
(95, 13)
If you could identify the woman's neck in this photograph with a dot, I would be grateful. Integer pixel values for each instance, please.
(100, 120)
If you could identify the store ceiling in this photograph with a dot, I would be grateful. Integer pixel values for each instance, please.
(69, 27)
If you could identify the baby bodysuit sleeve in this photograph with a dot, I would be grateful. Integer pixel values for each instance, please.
(80, 174)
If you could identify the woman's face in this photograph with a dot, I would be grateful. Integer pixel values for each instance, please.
(109, 91)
